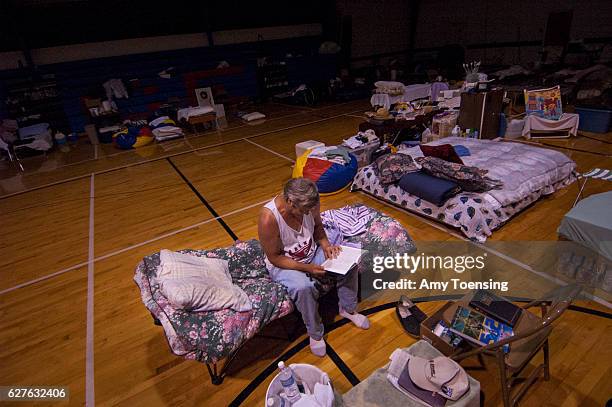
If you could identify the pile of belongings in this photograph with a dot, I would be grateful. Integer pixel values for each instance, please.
(34, 139)
(432, 173)
(185, 113)
(389, 87)
(432, 381)
(361, 139)
(338, 155)
(164, 128)
(133, 134)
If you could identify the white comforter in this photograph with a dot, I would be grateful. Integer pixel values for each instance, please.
(522, 168)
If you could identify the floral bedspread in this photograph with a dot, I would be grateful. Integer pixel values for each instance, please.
(211, 336)
(475, 214)
(384, 236)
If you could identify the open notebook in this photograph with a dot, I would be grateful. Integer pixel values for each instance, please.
(346, 260)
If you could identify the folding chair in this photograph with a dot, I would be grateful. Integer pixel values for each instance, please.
(10, 151)
(595, 173)
(530, 337)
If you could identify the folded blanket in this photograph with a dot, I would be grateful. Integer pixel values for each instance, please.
(468, 178)
(392, 167)
(443, 151)
(431, 189)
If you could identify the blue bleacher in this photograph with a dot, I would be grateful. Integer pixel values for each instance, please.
(85, 78)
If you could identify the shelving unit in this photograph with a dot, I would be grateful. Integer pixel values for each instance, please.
(272, 78)
(31, 102)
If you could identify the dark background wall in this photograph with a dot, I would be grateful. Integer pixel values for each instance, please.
(501, 32)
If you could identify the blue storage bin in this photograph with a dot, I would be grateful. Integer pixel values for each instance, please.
(595, 120)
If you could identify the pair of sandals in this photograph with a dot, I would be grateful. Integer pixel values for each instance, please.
(409, 315)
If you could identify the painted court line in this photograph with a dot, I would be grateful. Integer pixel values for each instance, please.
(270, 151)
(177, 154)
(126, 249)
(90, 399)
(354, 115)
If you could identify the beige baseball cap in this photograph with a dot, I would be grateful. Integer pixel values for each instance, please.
(441, 375)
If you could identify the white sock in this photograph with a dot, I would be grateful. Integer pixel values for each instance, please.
(318, 348)
(360, 321)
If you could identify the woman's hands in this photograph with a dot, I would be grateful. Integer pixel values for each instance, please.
(331, 252)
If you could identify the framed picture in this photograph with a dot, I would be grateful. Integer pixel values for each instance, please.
(544, 103)
(205, 97)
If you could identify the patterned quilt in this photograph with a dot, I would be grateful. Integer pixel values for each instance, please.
(211, 336)
(478, 214)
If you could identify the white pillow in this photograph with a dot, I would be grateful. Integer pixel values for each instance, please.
(199, 283)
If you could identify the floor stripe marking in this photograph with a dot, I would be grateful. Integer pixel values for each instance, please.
(204, 201)
(270, 151)
(134, 246)
(90, 399)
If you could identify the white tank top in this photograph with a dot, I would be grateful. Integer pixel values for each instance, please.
(297, 244)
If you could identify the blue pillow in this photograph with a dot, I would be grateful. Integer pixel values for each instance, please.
(461, 150)
(432, 189)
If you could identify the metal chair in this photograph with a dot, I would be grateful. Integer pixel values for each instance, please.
(10, 151)
(531, 336)
(595, 173)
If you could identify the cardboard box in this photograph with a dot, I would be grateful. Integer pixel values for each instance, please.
(364, 153)
(427, 329)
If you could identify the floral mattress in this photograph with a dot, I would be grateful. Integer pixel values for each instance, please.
(527, 172)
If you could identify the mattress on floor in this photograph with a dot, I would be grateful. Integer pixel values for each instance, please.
(528, 173)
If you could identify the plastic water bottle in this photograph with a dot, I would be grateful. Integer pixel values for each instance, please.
(456, 131)
(287, 378)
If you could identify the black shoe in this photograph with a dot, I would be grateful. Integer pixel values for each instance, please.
(409, 315)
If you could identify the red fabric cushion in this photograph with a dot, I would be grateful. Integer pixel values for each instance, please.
(314, 168)
(444, 151)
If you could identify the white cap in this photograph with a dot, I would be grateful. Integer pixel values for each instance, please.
(281, 365)
(440, 374)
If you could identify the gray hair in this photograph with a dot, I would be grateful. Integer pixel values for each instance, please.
(302, 192)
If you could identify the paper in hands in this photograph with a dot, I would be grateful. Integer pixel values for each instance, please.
(346, 260)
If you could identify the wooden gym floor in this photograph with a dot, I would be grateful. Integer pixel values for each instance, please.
(76, 224)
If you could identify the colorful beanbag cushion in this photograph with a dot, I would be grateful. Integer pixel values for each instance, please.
(330, 177)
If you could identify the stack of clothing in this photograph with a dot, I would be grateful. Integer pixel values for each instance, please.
(361, 139)
(348, 220)
(338, 155)
(165, 128)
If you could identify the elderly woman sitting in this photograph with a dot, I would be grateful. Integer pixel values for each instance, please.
(295, 243)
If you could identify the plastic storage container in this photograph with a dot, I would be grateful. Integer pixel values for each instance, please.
(443, 123)
(364, 153)
(594, 120)
(300, 148)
